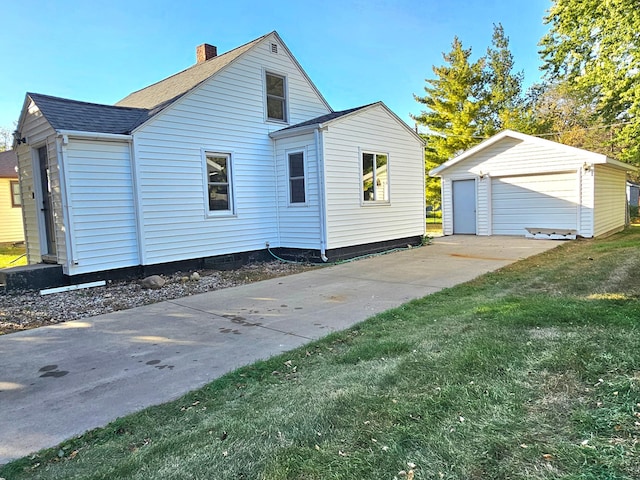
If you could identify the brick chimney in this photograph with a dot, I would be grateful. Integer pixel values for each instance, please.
(204, 52)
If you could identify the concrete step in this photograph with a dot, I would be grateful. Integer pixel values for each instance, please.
(32, 277)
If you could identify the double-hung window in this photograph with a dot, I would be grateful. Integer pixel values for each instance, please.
(219, 182)
(375, 177)
(276, 87)
(16, 201)
(296, 178)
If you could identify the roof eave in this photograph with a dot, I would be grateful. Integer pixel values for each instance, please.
(95, 135)
(619, 164)
(294, 132)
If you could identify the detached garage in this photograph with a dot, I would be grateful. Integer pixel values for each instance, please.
(516, 184)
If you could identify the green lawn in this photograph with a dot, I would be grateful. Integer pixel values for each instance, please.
(531, 372)
(11, 256)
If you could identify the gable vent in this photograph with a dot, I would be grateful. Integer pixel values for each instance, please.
(274, 48)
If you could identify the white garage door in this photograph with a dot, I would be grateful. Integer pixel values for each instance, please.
(535, 201)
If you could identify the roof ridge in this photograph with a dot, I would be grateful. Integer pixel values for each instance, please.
(196, 65)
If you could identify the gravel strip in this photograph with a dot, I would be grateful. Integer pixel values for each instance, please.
(25, 310)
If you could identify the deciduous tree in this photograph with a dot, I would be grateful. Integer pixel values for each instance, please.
(593, 50)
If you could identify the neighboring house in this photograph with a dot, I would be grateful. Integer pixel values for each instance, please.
(516, 184)
(237, 153)
(11, 230)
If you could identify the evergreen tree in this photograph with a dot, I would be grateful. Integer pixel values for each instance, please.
(503, 105)
(453, 102)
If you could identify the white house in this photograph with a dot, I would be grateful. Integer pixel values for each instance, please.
(516, 184)
(234, 154)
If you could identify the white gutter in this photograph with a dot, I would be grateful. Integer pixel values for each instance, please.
(71, 261)
(294, 132)
(319, 139)
(95, 135)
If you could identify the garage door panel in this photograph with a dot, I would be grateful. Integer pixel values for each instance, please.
(542, 201)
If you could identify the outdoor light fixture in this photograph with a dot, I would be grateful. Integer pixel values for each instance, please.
(18, 140)
(587, 167)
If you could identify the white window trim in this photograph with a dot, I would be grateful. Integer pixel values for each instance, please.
(286, 97)
(373, 203)
(205, 183)
(302, 150)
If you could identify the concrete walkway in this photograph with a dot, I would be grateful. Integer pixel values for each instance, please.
(57, 382)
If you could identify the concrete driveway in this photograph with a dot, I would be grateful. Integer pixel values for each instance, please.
(57, 382)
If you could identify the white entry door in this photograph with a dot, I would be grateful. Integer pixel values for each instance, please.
(464, 207)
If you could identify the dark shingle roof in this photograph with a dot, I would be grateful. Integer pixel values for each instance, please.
(65, 114)
(136, 108)
(167, 91)
(325, 118)
(8, 164)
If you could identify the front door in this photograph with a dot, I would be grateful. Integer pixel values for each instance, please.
(46, 210)
(464, 207)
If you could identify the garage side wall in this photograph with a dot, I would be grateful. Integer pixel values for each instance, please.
(610, 199)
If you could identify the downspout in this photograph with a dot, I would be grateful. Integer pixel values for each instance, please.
(61, 142)
(322, 203)
(277, 181)
(424, 189)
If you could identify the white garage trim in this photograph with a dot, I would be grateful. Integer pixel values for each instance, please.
(548, 201)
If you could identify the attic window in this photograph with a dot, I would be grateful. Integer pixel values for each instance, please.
(274, 48)
(276, 88)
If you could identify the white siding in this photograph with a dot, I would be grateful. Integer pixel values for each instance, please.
(29, 210)
(535, 201)
(56, 202)
(101, 206)
(447, 206)
(586, 217)
(299, 224)
(225, 114)
(349, 221)
(10, 216)
(510, 157)
(38, 132)
(483, 215)
(610, 199)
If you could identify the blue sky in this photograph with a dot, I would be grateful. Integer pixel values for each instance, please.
(355, 51)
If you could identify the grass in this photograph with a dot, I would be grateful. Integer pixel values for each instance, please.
(531, 372)
(10, 256)
(434, 228)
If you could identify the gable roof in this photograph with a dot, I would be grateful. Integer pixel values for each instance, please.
(166, 91)
(591, 156)
(328, 118)
(138, 107)
(8, 164)
(65, 114)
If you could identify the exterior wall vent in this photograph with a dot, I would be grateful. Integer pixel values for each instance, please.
(274, 48)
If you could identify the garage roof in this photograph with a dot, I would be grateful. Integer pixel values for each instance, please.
(591, 156)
